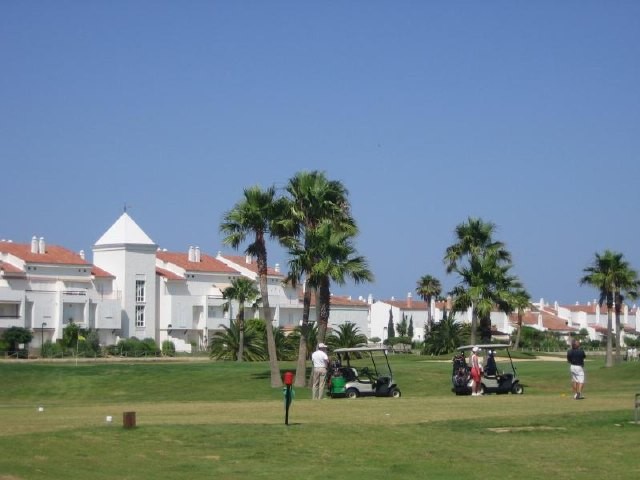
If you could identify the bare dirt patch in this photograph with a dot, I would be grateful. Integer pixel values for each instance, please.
(523, 429)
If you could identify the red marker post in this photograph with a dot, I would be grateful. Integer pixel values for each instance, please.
(288, 394)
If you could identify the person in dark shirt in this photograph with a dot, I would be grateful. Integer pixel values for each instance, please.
(575, 357)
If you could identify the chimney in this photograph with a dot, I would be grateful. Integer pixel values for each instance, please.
(34, 244)
(192, 254)
(81, 254)
(277, 267)
(197, 254)
(247, 259)
(409, 299)
(370, 299)
(449, 303)
(41, 246)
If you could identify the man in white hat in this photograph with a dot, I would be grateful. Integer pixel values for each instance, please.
(320, 361)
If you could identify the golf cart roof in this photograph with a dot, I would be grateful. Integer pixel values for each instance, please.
(360, 349)
(485, 346)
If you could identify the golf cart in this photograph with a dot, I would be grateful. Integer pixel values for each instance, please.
(355, 373)
(496, 378)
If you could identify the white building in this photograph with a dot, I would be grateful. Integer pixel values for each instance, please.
(46, 287)
(135, 289)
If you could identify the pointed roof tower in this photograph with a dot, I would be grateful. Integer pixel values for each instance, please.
(124, 232)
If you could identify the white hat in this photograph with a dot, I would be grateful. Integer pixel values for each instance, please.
(475, 349)
(322, 345)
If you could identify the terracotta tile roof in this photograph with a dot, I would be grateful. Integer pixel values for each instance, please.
(599, 328)
(7, 267)
(53, 254)
(629, 329)
(346, 301)
(241, 260)
(341, 300)
(550, 321)
(98, 272)
(404, 304)
(168, 274)
(206, 264)
(589, 309)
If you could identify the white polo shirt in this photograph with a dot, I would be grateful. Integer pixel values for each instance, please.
(319, 359)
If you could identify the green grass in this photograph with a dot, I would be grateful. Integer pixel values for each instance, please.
(222, 420)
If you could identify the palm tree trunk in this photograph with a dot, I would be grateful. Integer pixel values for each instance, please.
(241, 335)
(301, 366)
(515, 347)
(267, 315)
(618, 358)
(474, 325)
(609, 354)
(323, 301)
(429, 317)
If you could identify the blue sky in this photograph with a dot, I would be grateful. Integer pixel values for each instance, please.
(526, 114)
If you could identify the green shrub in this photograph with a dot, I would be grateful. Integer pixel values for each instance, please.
(168, 348)
(52, 350)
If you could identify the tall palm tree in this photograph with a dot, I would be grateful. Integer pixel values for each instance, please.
(428, 289)
(474, 240)
(336, 261)
(257, 214)
(313, 200)
(243, 291)
(613, 277)
(482, 264)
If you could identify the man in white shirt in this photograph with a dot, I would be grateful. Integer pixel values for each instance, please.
(320, 361)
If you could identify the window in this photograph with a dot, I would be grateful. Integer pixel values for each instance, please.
(9, 310)
(140, 297)
(140, 316)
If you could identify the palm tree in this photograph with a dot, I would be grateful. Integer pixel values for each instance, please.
(483, 265)
(346, 336)
(225, 344)
(336, 260)
(429, 288)
(474, 240)
(445, 337)
(313, 200)
(520, 301)
(613, 277)
(243, 291)
(256, 214)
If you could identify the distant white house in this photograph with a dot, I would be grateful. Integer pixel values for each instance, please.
(46, 287)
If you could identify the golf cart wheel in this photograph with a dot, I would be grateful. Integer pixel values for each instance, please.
(395, 393)
(517, 389)
(352, 393)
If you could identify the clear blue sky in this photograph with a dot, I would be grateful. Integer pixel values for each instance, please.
(526, 114)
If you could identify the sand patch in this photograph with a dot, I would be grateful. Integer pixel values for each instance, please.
(524, 429)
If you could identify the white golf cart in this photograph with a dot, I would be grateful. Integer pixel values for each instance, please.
(496, 377)
(355, 373)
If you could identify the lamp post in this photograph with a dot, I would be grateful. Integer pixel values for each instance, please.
(44, 324)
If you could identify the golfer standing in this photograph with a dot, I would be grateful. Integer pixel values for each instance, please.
(320, 361)
(476, 372)
(575, 357)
